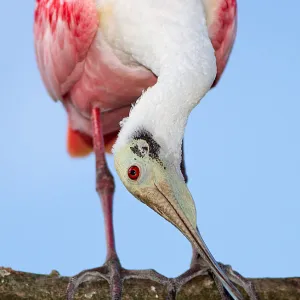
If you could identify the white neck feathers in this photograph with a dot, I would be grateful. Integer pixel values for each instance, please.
(182, 56)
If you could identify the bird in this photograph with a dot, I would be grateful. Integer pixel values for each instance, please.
(128, 73)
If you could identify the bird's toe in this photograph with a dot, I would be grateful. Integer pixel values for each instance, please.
(111, 271)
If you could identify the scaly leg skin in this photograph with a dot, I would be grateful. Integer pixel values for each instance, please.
(199, 267)
(111, 270)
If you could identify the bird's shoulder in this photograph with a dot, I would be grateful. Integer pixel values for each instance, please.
(64, 31)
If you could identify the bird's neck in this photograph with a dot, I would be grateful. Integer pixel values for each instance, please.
(163, 109)
(177, 49)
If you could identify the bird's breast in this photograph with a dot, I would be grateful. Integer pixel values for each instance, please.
(110, 80)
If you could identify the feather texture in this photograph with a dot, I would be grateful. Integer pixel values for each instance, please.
(78, 144)
(84, 61)
(64, 31)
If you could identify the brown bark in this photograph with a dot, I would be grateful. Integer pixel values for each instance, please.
(26, 286)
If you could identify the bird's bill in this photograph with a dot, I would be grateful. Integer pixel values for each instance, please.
(170, 197)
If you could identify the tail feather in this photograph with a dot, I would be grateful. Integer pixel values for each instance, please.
(80, 144)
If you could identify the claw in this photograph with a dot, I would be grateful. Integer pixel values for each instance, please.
(187, 276)
(199, 267)
(84, 276)
(238, 279)
(156, 277)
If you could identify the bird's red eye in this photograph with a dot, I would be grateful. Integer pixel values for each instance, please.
(134, 172)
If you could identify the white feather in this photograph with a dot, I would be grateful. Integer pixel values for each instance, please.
(170, 38)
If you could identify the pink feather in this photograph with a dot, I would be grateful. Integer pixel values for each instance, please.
(63, 36)
(79, 68)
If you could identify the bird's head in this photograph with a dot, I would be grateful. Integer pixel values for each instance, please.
(148, 175)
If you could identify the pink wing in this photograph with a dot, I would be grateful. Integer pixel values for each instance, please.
(222, 23)
(63, 31)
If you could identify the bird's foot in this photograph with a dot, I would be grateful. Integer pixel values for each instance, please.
(238, 279)
(200, 268)
(189, 275)
(114, 274)
(110, 271)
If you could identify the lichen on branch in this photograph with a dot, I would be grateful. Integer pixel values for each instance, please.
(16, 285)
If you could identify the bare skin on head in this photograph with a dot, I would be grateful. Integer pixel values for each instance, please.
(97, 57)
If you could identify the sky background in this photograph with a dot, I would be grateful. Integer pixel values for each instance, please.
(242, 154)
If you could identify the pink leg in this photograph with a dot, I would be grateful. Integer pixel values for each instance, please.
(105, 185)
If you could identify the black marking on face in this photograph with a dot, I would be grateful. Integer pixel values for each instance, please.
(136, 150)
(152, 149)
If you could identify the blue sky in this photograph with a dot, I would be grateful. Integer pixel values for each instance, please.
(242, 151)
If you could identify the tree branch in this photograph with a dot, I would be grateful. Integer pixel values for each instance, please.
(27, 286)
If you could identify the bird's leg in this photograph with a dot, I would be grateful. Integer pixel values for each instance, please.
(111, 270)
(199, 267)
(105, 185)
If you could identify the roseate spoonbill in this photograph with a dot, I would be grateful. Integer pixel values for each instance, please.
(97, 57)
